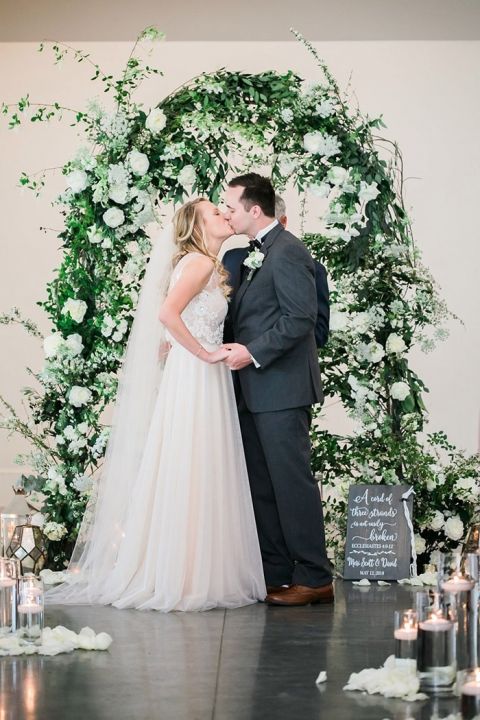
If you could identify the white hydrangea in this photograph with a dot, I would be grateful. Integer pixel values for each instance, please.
(437, 522)
(338, 319)
(399, 390)
(187, 176)
(82, 483)
(321, 190)
(75, 308)
(113, 217)
(54, 531)
(138, 162)
(287, 115)
(77, 180)
(286, 164)
(454, 528)
(420, 544)
(395, 344)
(360, 322)
(319, 144)
(325, 108)
(70, 433)
(79, 396)
(156, 121)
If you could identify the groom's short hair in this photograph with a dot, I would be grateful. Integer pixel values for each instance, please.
(257, 190)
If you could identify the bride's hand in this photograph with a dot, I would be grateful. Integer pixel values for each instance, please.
(217, 356)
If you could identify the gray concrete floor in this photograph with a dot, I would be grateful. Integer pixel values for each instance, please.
(254, 663)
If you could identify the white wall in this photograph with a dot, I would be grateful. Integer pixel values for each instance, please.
(428, 94)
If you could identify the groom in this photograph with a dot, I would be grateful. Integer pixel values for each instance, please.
(273, 316)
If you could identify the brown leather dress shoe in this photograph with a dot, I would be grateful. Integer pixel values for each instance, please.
(276, 589)
(302, 595)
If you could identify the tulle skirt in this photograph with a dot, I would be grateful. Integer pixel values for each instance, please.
(189, 540)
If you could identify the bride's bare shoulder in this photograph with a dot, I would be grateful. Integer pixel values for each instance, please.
(198, 264)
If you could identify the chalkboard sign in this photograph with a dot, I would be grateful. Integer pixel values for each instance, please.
(378, 538)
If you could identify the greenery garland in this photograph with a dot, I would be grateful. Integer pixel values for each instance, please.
(383, 300)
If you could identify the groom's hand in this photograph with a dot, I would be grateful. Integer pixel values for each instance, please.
(238, 356)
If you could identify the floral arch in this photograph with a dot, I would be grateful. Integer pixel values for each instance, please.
(383, 299)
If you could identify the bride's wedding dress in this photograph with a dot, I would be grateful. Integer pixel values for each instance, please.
(189, 540)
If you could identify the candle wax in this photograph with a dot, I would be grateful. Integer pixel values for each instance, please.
(457, 584)
(405, 634)
(435, 625)
(471, 688)
(29, 608)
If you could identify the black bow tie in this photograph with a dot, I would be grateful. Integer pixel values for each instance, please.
(254, 244)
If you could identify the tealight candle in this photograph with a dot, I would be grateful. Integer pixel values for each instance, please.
(30, 607)
(470, 694)
(405, 634)
(458, 583)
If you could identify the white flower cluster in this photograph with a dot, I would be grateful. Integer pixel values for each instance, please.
(55, 345)
(323, 144)
(114, 328)
(54, 531)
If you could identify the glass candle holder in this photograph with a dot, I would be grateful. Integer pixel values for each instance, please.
(469, 690)
(453, 575)
(8, 596)
(473, 565)
(405, 634)
(30, 607)
(436, 659)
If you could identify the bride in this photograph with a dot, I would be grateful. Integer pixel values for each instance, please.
(171, 526)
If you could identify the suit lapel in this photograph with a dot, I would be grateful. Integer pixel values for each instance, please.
(267, 243)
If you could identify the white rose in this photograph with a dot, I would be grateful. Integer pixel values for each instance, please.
(338, 319)
(337, 175)
(437, 522)
(454, 528)
(375, 352)
(399, 390)
(155, 121)
(321, 191)
(470, 485)
(75, 308)
(395, 344)
(313, 142)
(52, 344)
(79, 396)
(138, 161)
(74, 344)
(430, 485)
(113, 217)
(420, 544)
(368, 192)
(187, 176)
(119, 194)
(77, 180)
(94, 235)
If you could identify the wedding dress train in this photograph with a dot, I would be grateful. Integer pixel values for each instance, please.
(188, 540)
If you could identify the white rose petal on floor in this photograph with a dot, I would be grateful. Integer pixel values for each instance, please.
(392, 680)
(55, 641)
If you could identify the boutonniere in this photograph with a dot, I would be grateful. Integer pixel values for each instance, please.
(254, 261)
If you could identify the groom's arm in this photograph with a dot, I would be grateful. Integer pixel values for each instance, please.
(294, 279)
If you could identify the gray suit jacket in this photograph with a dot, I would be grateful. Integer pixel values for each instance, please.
(274, 315)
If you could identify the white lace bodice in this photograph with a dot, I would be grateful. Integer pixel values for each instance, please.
(205, 313)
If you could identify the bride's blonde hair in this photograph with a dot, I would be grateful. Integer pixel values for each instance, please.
(190, 236)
